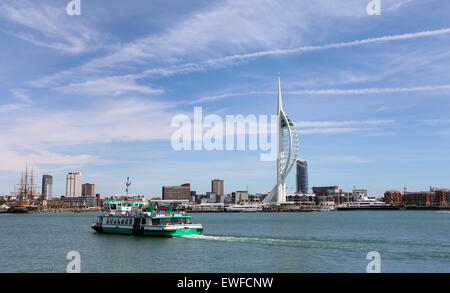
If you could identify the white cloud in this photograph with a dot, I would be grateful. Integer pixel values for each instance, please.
(126, 120)
(344, 159)
(328, 130)
(21, 94)
(6, 108)
(338, 127)
(303, 124)
(107, 86)
(47, 26)
(434, 121)
(229, 27)
(232, 26)
(11, 160)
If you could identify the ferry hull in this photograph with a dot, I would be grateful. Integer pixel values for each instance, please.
(157, 233)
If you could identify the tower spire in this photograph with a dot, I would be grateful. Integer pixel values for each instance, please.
(280, 100)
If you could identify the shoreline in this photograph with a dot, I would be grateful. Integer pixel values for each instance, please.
(283, 210)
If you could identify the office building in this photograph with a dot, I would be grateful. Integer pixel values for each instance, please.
(73, 184)
(302, 176)
(217, 186)
(47, 187)
(182, 192)
(88, 190)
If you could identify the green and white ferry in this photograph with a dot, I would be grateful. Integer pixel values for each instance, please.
(128, 217)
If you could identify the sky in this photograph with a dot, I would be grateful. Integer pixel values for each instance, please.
(96, 92)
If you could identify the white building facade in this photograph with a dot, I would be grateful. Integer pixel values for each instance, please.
(73, 184)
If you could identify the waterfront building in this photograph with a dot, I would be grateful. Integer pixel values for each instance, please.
(88, 190)
(433, 198)
(302, 176)
(73, 184)
(47, 187)
(259, 197)
(211, 197)
(324, 190)
(333, 194)
(182, 192)
(220, 198)
(80, 201)
(358, 193)
(239, 196)
(288, 147)
(393, 197)
(217, 186)
(99, 201)
(301, 198)
(193, 196)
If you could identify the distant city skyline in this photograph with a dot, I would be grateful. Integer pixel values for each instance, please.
(95, 93)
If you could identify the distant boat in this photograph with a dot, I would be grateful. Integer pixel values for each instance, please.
(366, 203)
(244, 208)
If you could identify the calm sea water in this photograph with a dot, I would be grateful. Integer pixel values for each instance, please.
(408, 241)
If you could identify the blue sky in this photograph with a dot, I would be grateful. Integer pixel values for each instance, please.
(96, 93)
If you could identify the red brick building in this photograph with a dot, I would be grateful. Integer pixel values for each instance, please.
(393, 197)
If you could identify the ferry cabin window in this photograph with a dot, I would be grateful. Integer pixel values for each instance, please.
(112, 206)
(172, 221)
(144, 221)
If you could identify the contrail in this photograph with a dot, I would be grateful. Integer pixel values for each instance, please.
(203, 65)
(370, 90)
(218, 62)
(328, 92)
(334, 45)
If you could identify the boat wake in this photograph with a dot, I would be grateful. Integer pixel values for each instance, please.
(266, 241)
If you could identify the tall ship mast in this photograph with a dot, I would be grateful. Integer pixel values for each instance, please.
(26, 194)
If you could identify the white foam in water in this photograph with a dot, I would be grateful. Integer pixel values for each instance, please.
(250, 239)
(219, 238)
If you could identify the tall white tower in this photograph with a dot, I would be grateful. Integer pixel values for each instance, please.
(288, 147)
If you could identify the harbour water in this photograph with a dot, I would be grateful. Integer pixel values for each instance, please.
(408, 241)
